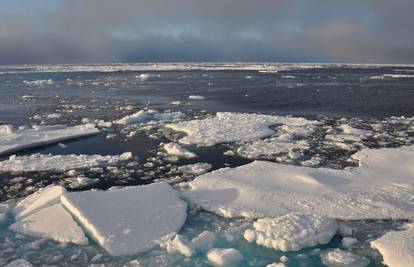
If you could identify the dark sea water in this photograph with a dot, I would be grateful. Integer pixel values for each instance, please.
(360, 95)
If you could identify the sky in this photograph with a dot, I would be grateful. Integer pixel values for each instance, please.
(99, 31)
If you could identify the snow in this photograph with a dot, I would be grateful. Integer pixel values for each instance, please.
(204, 241)
(15, 140)
(82, 181)
(52, 222)
(224, 257)
(143, 116)
(19, 263)
(343, 258)
(48, 162)
(196, 97)
(195, 169)
(292, 231)
(381, 187)
(231, 127)
(174, 149)
(148, 213)
(396, 247)
(179, 245)
(346, 129)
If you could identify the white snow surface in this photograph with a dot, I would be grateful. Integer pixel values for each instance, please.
(48, 162)
(292, 231)
(196, 168)
(381, 187)
(52, 222)
(174, 149)
(179, 245)
(397, 248)
(204, 241)
(15, 140)
(130, 220)
(232, 127)
(224, 257)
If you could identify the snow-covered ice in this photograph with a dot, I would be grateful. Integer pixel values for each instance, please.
(138, 117)
(231, 127)
(179, 245)
(396, 247)
(196, 97)
(174, 149)
(130, 220)
(381, 187)
(39, 82)
(224, 257)
(204, 241)
(143, 116)
(292, 231)
(195, 169)
(343, 258)
(52, 222)
(15, 140)
(48, 162)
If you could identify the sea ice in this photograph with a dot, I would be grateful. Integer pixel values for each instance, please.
(174, 149)
(224, 257)
(52, 222)
(204, 241)
(396, 247)
(138, 117)
(48, 162)
(231, 127)
(195, 169)
(179, 245)
(19, 263)
(147, 116)
(292, 231)
(130, 220)
(381, 187)
(196, 97)
(343, 258)
(15, 140)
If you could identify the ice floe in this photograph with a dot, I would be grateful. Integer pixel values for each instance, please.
(14, 140)
(381, 187)
(204, 241)
(396, 247)
(174, 149)
(48, 162)
(148, 213)
(179, 245)
(39, 82)
(143, 116)
(195, 169)
(196, 97)
(231, 127)
(224, 257)
(292, 231)
(343, 258)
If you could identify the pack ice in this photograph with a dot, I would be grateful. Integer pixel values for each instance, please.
(14, 140)
(381, 187)
(123, 221)
(48, 162)
(231, 127)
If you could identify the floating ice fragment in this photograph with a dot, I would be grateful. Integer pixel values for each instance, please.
(179, 245)
(150, 212)
(228, 257)
(16, 140)
(195, 169)
(292, 231)
(343, 258)
(204, 241)
(196, 97)
(174, 149)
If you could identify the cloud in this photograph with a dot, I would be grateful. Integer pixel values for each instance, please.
(69, 31)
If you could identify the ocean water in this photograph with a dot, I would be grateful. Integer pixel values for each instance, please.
(358, 95)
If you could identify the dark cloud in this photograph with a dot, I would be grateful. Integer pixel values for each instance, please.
(69, 31)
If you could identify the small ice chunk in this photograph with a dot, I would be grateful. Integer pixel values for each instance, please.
(396, 247)
(347, 242)
(204, 241)
(174, 149)
(293, 231)
(196, 97)
(149, 212)
(224, 257)
(346, 129)
(280, 264)
(179, 245)
(52, 222)
(138, 117)
(54, 116)
(82, 181)
(343, 258)
(195, 169)
(143, 76)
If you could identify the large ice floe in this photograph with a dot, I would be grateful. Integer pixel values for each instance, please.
(381, 187)
(397, 247)
(12, 140)
(149, 214)
(231, 127)
(48, 162)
